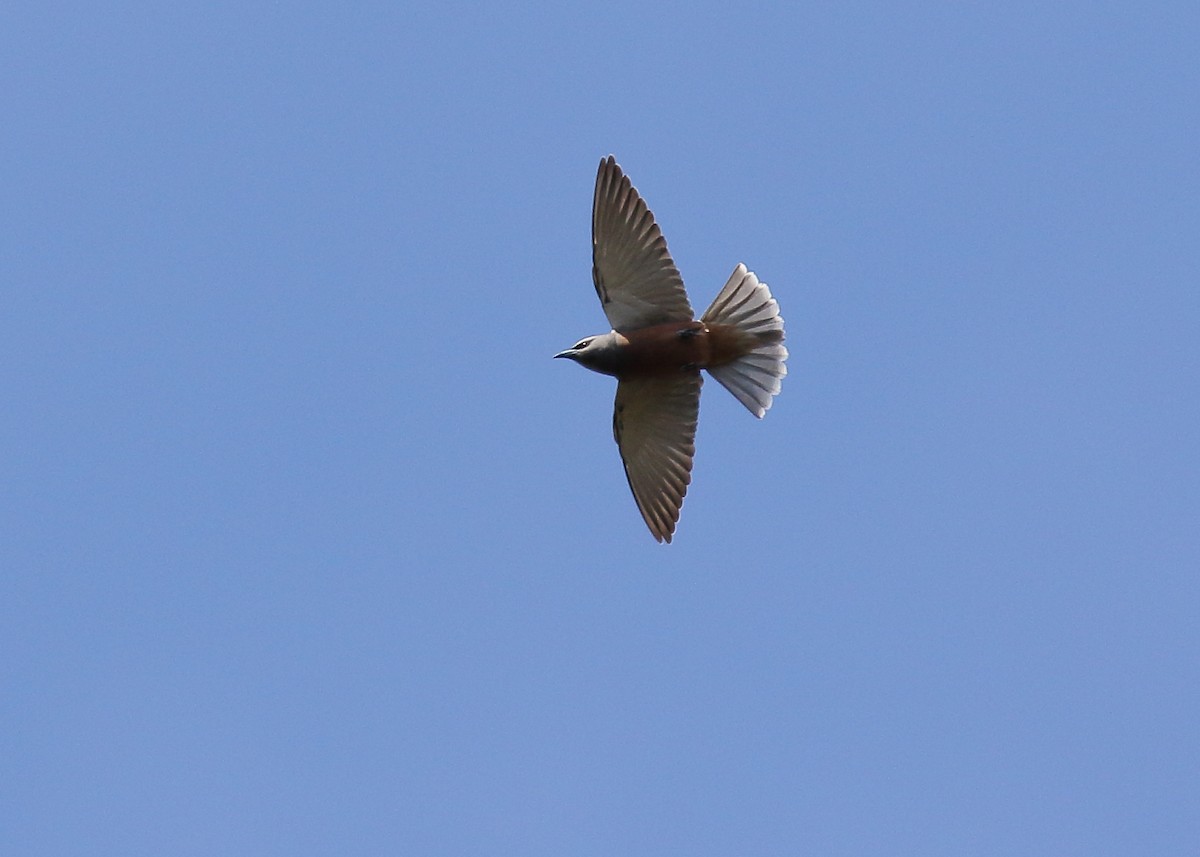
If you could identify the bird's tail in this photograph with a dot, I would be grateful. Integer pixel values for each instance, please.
(745, 308)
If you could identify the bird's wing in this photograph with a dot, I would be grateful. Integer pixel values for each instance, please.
(654, 424)
(635, 278)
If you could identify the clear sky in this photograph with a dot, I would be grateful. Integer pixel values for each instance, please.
(307, 546)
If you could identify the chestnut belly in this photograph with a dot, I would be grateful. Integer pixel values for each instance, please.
(679, 346)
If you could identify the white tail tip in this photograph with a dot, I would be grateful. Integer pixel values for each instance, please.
(746, 304)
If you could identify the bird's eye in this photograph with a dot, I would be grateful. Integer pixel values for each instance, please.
(581, 344)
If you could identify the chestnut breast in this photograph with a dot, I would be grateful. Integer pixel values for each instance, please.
(679, 346)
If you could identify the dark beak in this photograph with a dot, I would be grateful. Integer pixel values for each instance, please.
(568, 353)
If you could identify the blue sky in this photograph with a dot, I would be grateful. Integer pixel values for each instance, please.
(308, 547)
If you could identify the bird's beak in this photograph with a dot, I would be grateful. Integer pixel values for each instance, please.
(568, 353)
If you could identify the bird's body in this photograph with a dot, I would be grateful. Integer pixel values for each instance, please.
(663, 349)
(657, 347)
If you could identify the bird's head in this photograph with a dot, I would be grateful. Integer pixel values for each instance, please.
(601, 353)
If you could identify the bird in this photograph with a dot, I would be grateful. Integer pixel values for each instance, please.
(657, 347)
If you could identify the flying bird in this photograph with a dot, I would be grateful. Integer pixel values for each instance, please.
(656, 347)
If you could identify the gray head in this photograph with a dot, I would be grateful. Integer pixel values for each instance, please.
(601, 353)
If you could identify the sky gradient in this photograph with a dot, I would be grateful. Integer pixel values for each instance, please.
(307, 546)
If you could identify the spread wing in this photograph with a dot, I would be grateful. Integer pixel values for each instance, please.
(654, 423)
(635, 278)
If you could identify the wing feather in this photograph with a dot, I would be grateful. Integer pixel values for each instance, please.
(654, 424)
(636, 280)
